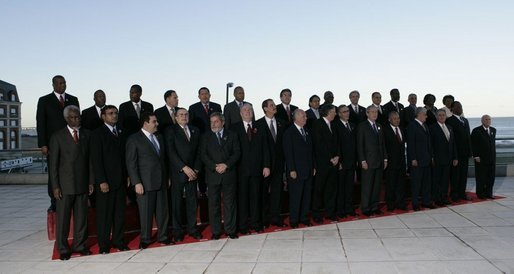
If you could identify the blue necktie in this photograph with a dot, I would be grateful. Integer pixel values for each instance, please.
(219, 137)
(154, 143)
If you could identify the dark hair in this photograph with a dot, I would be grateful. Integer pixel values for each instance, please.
(265, 103)
(137, 87)
(312, 97)
(455, 102)
(375, 93)
(177, 109)
(168, 93)
(237, 88)
(285, 90)
(106, 108)
(340, 107)
(98, 91)
(428, 95)
(393, 112)
(325, 109)
(208, 91)
(56, 77)
(393, 90)
(145, 117)
(219, 115)
(448, 97)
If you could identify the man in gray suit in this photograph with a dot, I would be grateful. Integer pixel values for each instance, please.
(231, 111)
(71, 182)
(220, 152)
(372, 156)
(145, 154)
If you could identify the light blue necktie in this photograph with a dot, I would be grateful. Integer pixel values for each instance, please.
(154, 143)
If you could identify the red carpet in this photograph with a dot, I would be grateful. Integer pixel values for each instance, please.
(132, 236)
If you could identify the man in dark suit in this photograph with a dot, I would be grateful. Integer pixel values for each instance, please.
(347, 147)
(220, 151)
(49, 116)
(71, 182)
(372, 156)
(253, 167)
(232, 109)
(145, 154)
(410, 110)
(483, 140)
(91, 117)
(326, 159)
(429, 101)
(182, 144)
(445, 156)
(166, 114)
(376, 98)
(313, 111)
(110, 176)
(328, 98)
(395, 138)
(130, 112)
(419, 157)
(274, 183)
(299, 156)
(285, 109)
(357, 112)
(459, 173)
(200, 112)
(395, 105)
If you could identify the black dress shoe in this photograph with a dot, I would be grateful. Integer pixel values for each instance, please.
(166, 242)
(196, 235)
(377, 212)
(446, 202)
(367, 213)
(244, 231)
(431, 206)
(65, 256)
(258, 229)
(333, 218)
(416, 208)
(278, 224)
(232, 235)
(402, 208)
(390, 209)
(341, 215)
(215, 237)
(85, 252)
(143, 245)
(178, 238)
(104, 251)
(306, 223)
(351, 213)
(294, 225)
(318, 220)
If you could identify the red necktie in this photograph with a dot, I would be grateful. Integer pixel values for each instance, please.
(249, 132)
(398, 135)
(75, 136)
(206, 107)
(61, 100)
(288, 113)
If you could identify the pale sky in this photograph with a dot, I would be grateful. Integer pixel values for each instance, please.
(464, 48)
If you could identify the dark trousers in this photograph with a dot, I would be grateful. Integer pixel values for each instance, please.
(325, 192)
(395, 187)
(420, 182)
(153, 203)
(459, 178)
(370, 189)
(110, 215)
(485, 175)
(299, 199)
(441, 181)
(271, 197)
(214, 193)
(178, 189)
(49, 185)
(249, 201)
(65, 206)
(346, 182)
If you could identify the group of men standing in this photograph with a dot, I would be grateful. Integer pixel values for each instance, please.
(159, 158)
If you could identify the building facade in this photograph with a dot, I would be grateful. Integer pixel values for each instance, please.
(10, 117)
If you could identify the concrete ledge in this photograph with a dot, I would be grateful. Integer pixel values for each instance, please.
(23, 179)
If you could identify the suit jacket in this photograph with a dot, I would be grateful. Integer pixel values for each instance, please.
(127, 117)
(382, 116)
(419, 145)
(254, 153)
(163, 118)
(232, 113)
(357, 118)
(311, 118)
(409, 115)
(275, 148)
(390, 107)
(431, 116)
(282, 113)
(212, 153)
(69, 164)
(200, 119)
(371, 145)
(444, 150)
(462, 136)
(325, 144)
(484, 145)
(181, 151)
(347, 143)
(90, 119)
(144, 164)
(108, 157)
(395, 148)
(299, 153)
(50, 117)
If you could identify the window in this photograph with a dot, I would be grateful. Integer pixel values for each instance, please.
(2, 124)
(2, 111)
(13, 144)
(13, 111)
(14, 123)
